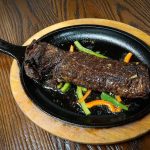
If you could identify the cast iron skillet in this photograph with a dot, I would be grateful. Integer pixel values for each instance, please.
(111, 42)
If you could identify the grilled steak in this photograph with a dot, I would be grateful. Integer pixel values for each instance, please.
(49, 65)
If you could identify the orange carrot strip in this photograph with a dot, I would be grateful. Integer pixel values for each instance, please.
(101, 102)
(118, 98)
(118, 109)
(128, 57)
(85, 96)
(71, 48)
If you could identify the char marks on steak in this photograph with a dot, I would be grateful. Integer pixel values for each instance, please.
(49, 65)
(41, 59)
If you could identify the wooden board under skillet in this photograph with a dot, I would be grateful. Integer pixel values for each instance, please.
(67, 131)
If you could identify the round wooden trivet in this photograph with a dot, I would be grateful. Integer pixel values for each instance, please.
(70, 132)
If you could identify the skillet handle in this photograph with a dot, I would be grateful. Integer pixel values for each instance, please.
(15, 51)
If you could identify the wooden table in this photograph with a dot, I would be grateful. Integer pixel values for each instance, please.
(20, 19)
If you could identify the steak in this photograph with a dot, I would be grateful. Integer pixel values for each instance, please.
(49, 65)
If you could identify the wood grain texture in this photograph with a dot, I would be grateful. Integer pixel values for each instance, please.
(20, 19)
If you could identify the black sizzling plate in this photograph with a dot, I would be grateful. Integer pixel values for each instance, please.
(110, 42)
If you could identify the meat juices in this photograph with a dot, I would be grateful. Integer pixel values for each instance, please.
(49, 65)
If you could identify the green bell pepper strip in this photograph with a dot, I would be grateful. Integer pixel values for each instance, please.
(83, 105)
(84, 89)
(65, 87)
(59, 85)
(85, 50)
(106, 97)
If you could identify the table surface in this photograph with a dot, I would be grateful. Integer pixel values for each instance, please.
(20, 19)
